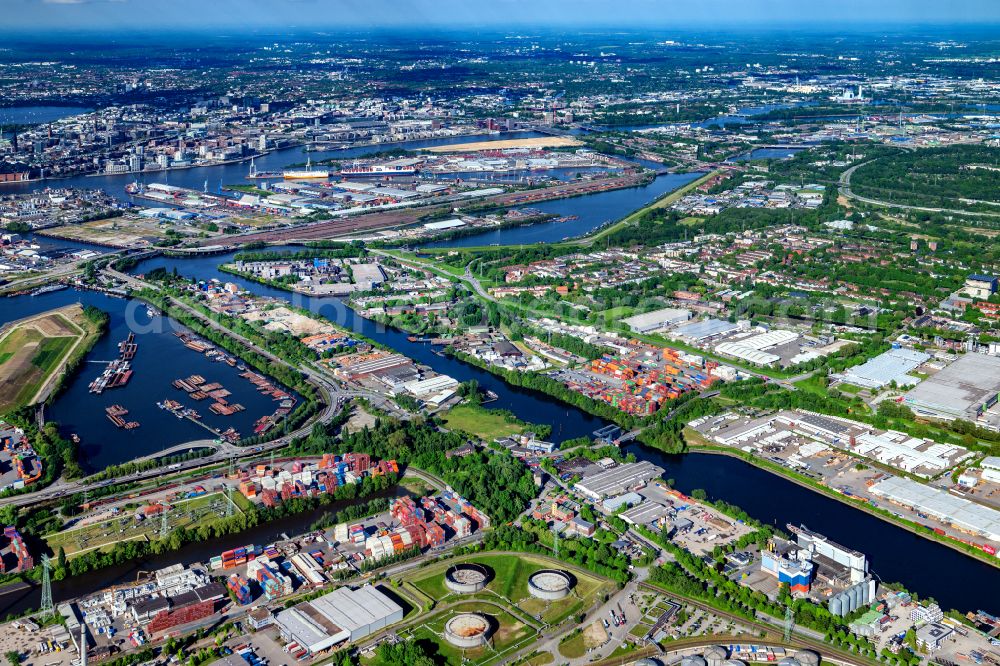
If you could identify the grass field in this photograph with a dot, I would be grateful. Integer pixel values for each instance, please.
(35, 350)
(481, 422)
(510, 634)
(194, 512)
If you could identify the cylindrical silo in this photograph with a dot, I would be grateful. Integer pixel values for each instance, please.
(855, 595)
(872, 589)
(836, 606)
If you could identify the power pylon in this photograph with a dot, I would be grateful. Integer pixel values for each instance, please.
(789, 622)
(229, 501)
(47, 607)
(164, 527)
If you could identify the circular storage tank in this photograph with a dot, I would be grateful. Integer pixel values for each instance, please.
(807, 657)
(550, 584)
(789, 661)
(466, 578)
(694, 660)
(467, 630)
(648, 661)
(734, 662)
(715, 655)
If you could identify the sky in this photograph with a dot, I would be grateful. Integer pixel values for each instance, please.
(45, 15)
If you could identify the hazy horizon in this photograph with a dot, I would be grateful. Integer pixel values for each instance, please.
(256, 15)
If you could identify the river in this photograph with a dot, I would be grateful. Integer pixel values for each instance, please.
(31, 115)
(591, 212)
(929, 568)
(17, 600)
(212, 177)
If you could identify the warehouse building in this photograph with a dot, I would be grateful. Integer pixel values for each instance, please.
(618, 480)
(703, 330)
(892, 366)
(342, 615)
(656, 320)
(756, 349)
(991, 469)
(962, 514)
(967, 389)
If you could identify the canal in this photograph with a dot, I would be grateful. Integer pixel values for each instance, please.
(18, 599)
(896, 555)
(928, 568)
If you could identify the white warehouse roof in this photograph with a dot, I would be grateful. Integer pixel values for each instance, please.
(961, 513)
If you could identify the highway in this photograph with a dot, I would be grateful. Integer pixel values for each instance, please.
(844, 188)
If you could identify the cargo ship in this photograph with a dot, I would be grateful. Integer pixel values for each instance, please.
(116, 414)
(128, 347)
(377, 170)
(115, 375)
(118, 371)
(308, 172)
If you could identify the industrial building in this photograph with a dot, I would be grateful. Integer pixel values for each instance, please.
(699, 331)
(618, 480)
(657, 319)
(991, 468)
(841, 561)
(754, 349)
(342, 615)
(796, 573)
(960, 513)
(967, 389)
(810, 434)
(891, 366)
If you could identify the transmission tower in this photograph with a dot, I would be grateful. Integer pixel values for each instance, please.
(229, 502)
(272, 459)
(47, 608)
(232, 466)
(555, 539)
(789, 622)
(164, 527)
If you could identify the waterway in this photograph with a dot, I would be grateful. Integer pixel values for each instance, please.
(17, 600)
(896, 555)
(30, 115)
(161, 358)
(215, 176)
(592, 212)
(928, 568)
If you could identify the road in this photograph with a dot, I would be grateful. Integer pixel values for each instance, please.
(844, 188)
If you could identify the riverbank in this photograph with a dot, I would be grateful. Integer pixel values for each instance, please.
(698, 444)
(39, 352)
(662, 202)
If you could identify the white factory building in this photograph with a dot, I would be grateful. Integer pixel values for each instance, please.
(657, 319)
(342, 615)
